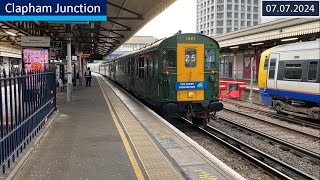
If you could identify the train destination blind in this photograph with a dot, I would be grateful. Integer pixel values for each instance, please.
(56, 10)
(191, 85)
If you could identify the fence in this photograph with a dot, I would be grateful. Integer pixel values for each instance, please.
(27, 100)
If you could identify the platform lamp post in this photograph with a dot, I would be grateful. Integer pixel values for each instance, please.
(251, 69)
(69, 72)
(251, 81)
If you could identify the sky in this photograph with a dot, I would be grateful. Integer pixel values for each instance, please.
(181, 15)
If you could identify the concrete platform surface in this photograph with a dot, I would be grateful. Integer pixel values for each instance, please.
(105, 133)
(82, 143)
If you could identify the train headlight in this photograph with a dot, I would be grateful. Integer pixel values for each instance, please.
(166, 73)
(214, 72)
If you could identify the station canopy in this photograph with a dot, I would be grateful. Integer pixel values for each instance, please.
(125, 18)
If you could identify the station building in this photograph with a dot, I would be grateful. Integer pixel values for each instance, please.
(239, 47)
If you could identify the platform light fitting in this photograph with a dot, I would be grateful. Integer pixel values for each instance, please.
(11, 33)
(234, 47)
(256, 44)
(289, 39)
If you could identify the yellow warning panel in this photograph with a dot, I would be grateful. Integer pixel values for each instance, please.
(190, 68)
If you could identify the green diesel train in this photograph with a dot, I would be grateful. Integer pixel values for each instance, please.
(178, 76)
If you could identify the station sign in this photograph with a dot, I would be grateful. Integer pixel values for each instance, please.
(57, 45)
(35, 41)
(54, 10)
(191, 85)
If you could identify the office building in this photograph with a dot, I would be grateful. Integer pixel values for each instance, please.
(216, 17)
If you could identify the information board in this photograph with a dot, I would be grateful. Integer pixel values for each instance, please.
(35, 59)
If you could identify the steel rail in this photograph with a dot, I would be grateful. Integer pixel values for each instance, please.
(256, 156)
(278, 116)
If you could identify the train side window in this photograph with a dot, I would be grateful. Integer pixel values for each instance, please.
(141, 67)
(266, 62)
(190, 58)
(148, 64)
(272, 68)
(210, 59)
(153, 67)
(292, 71)
(137, 66)
(313, 68)
(171, 59)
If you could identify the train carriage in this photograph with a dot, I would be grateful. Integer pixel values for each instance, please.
(289, 78)
(178, 76)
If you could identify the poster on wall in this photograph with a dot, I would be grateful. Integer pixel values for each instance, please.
(35, 58)
(247, 67)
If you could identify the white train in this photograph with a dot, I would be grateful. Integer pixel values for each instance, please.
(289, 78)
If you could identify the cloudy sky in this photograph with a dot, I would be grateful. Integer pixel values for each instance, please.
(181, 15)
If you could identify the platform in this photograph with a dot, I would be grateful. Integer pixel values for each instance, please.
(105, 133)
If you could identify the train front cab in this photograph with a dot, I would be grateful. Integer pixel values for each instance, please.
(262, 78)
(197, 86)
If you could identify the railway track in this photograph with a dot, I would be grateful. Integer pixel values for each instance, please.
(266, 161)
(273, 114)
(255, 121)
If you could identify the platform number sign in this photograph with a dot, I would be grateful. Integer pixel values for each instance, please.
(57, 45)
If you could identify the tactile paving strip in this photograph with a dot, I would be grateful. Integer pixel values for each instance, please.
(154, 162)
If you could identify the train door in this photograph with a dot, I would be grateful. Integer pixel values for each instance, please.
(273, 71)
(190, 72)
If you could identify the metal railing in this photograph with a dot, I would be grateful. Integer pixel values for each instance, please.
(27, 99)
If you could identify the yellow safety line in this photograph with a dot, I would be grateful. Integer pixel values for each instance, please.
(131, 156)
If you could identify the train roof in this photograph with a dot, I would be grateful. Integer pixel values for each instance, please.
(298, 46)
(155, 45)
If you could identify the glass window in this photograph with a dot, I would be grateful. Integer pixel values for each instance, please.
(171, 59)
(236, 15)
(141, 68)
(190, 58)
(272, 68)
(292, 71)
(312, 75)
(266, 62)
(210, 59)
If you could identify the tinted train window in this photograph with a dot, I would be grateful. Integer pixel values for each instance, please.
(266, 62)
(210, 59)
(272, 68)
(171, 59)
(190, 58)
(292, 71)
(312, 75)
